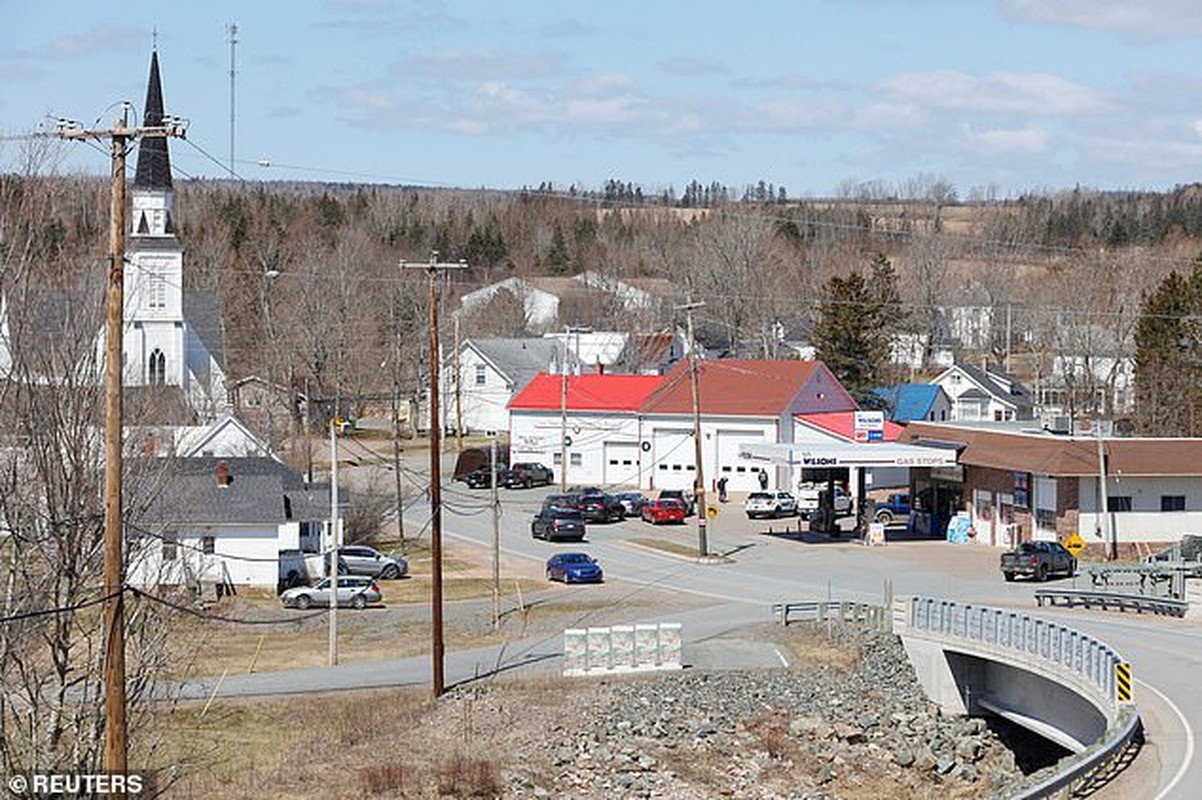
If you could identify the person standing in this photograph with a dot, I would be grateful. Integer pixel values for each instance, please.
(722, 489)
(763, 480)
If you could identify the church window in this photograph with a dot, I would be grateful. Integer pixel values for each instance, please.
(158, 290)
(158, 368)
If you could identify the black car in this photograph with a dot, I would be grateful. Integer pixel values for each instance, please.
(599, 506)
(526, 474)
(554, 524)
(482, 478)
(632, 502)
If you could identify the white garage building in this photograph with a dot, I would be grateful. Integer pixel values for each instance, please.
(634, 430)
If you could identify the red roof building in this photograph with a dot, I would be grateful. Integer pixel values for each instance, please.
(592, 392)
(751, 388)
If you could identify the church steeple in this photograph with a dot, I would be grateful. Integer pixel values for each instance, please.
(154, 165)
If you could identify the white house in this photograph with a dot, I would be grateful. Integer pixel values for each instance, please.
(224, 437)
(985, 393)
(491, 372)
(225, 521)
(638, 430)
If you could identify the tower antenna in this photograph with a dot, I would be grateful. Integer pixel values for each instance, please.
(232, 29)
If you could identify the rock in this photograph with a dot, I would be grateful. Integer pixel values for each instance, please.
(944, 765)
(848, 733)
(903, 758)
(968, 749)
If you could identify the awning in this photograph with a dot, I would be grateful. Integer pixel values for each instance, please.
(876, 454)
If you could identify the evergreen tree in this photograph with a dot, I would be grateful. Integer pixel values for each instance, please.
(857, 319)
(1168, 357)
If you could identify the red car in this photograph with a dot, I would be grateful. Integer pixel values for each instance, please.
(657, 511)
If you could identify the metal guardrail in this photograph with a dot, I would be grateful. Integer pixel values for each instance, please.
(1108, 600)
(1088, 663)
(834, 611)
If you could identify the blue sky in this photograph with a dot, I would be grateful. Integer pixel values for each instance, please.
(1005, 96)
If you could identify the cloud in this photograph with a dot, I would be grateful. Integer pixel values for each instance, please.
(690, 67)
(1000, 92)
(99, 39)
(1140, 19)
(471, 65)
(1000, 141)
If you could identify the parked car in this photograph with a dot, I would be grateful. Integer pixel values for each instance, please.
(554, 523)
(477, 458)
(355, 591)
(686, 498)
(632, 502)
(569, 501)
(770, 505)
(663, 510)
(363, 560)
(895, 507)
(598, 505)
(1038, 560)
(528, 473)
(574, 568)
(811, 498)
(482, 478)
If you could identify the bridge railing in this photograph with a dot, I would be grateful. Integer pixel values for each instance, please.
(1089, 666)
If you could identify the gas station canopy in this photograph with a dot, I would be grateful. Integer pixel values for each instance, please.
(811, 455)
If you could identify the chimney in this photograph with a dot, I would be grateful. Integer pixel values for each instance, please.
(151, 446)
(223, 473)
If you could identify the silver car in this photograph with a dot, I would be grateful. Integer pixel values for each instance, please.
(363, 560)
(355, 591)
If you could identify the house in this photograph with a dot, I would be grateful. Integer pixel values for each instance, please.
(268, 408)
(172, 337)
(224, 437)
(225, 521)
(638, 430)
(1022, 486)
(549, 303)
(985, 393)
(491, 372)
(914, 401)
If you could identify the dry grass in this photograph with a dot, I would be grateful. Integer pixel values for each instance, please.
(673, 548)
(815, 649)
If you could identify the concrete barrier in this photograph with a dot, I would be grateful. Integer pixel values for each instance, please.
(622, 648)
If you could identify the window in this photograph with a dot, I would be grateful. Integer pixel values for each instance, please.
(157, 292)
(1120, 503)
(206, 545)
(169, 547)
(480, 374)
(158, 368)
(576, 459)
(1172, 502)
(557, 459)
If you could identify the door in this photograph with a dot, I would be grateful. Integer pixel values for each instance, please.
(739, 473)
(672, 457)
(620, 463)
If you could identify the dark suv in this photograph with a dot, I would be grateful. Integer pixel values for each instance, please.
(555, 522)
(597, 505)
(527, 474)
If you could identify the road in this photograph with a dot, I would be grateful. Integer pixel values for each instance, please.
(764, 562)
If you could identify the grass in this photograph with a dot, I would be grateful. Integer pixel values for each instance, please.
(673, 548)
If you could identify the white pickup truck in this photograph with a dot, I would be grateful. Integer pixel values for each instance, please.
(810, 496)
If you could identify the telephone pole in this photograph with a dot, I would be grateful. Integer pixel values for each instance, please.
(332, 568)
(496, 535)
(699, 479)
(232, 30)
(458, 394)
(433, 268)
(116, 746)
(568, 330)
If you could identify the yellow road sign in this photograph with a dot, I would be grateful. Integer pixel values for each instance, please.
(1122, 682)
(711, 511)
(1074, 544)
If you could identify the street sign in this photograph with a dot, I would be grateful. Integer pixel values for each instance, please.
(1074, 544)
(711, 511)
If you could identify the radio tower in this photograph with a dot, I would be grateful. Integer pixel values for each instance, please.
(232, 29)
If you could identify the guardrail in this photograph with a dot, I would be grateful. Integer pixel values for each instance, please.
(1108, 600)
(1088, 665)
(834, 611)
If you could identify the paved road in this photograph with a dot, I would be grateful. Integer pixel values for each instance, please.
(761, 567)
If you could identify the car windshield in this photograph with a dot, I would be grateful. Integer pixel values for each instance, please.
(668, 503)
(759, 496)
(575, 558)
(565, 513)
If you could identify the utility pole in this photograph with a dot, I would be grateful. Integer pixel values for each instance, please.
(232, 29)
(396, 433)
(332, 569)
(699, 479)
(568, 330)
(116, 745)
(496, 536)
(1109, 535)
(432, 269)
(458, 394)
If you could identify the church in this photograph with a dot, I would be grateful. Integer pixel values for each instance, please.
(172, 336)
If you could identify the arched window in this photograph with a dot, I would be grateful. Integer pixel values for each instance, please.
(158, 368)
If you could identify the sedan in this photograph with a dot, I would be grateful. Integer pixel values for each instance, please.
(664, 510)
(574, 568)
(558, 523)
(363, 560)
(354, 591)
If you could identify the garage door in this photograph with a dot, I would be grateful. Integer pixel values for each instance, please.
(621, 464)
(672, 458)
(741, 475)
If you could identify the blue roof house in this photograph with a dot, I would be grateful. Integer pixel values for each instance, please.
(914, 401)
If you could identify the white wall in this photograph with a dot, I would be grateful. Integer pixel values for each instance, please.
(483, 404)
(669, 461)
(244, 555)
(535, 436)
(1145, 522)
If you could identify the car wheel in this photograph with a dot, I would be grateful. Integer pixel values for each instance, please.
(390, 572)
(884, 517)
(550, 577)
(1041, 573)
(304, 602)
(360, 602)
(528, 483)
(1009, 576)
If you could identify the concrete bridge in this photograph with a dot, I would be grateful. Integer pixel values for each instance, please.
(1062, 684)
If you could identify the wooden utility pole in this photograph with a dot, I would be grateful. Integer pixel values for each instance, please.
(458, 394)
(116, 746)
(332, 564)
(699, 474)
(496, 536)
(432, 269)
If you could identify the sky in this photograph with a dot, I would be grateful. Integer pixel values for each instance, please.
(995, 97)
